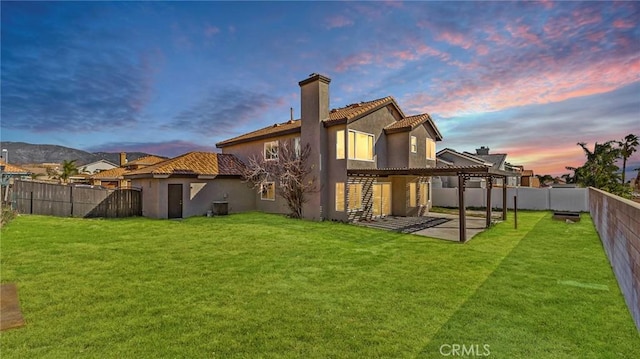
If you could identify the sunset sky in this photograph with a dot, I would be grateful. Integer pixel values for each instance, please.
(530, 79)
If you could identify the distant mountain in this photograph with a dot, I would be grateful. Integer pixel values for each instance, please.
(23, 153)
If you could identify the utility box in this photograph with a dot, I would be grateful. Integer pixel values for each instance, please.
(220, 208)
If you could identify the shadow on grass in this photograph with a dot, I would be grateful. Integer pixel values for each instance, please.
(525, 309)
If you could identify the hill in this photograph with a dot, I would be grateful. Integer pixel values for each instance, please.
(24, 153)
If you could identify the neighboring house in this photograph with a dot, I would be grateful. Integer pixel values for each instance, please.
(8, 173)
(363, 156)
(496, 162)
(188, 185)
(528, 179)
(114, 178)
(95, 167)
(449, 158)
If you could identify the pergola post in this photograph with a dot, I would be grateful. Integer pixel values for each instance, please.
(462, 212)
(504, 202)
(489, 186)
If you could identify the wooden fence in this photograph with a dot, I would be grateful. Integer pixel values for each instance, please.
(75, 201)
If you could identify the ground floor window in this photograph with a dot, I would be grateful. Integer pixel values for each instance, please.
(424, 194)
(340, 196)
(412, 194)
(268, 191)
(355, 196)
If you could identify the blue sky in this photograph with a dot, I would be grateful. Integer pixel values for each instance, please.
(530, 78)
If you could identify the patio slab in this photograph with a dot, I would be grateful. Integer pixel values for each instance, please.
(436, 225)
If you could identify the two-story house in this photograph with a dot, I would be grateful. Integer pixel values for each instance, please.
(348, 144)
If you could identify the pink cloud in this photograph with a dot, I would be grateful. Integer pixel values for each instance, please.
(363, 58)
(549, 84)
(524, 32)
(623, 24)
(455, 39)
(210, 30)
(338, 21)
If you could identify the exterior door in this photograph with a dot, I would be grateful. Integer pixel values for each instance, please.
(381, 199)
(175, 201)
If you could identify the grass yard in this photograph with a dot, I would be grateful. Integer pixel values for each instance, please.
(258, 285)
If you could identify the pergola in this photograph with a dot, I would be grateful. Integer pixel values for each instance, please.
(464, 173)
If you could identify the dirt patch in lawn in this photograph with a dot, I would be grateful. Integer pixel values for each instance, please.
(10, 315)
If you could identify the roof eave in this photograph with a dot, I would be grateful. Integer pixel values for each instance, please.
(257, 138)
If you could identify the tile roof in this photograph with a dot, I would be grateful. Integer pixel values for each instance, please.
(269, 131)
(146, 160)
(195, 163)
(9, 168)
(117, 172)
(356, 110)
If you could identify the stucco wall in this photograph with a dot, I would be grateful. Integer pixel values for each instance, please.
(254, 148)
(374, 123)
(618, 223)
(197, 195)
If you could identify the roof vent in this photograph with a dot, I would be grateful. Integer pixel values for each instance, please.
(276, 124)
(334, 110)
(355, 105)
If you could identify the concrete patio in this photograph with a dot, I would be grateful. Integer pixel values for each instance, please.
(436, 225)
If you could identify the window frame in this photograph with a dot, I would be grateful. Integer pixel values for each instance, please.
(274, 154)
(349, 147)
(425, 197)
(262, 191)
(413, 144)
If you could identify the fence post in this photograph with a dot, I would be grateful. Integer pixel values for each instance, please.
(515, 212)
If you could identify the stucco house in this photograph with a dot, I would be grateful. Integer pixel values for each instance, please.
(495, 161)
(362, 156)
(187, 185)
(114, 178)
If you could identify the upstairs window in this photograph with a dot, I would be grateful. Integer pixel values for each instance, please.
(414, 144)
(431, 149)
(271, 150)
(340, 145)
(297, 146)
(361, 146)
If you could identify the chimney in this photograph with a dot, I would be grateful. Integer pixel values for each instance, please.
(314, 105)
(482, 150)
(291, 115)
(123, 159)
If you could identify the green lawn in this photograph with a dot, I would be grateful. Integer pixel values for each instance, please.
(259, 285)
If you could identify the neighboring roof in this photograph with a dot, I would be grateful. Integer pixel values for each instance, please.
(465, 155)
(411, 122)
(146, 161)
(527, 173)
(442, 163)
(193, 163)
(99, 161)
(266, 132)
(113, 173)
(13, 169)
(497, 158)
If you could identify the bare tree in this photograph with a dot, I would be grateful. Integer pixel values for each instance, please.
(288, 168)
